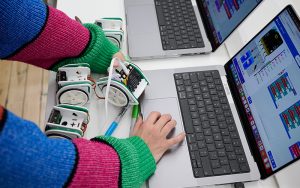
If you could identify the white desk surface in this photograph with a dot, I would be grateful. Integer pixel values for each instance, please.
(90, 10)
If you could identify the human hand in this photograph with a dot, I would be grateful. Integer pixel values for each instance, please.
(120, 56)
(154, 131)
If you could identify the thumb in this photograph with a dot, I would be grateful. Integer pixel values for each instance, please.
(137, 125)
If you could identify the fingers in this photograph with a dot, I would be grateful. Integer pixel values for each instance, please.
(116, 64)
(168, 127)
(162, 121)
(120, 56)
(153, 117)
(175, 140)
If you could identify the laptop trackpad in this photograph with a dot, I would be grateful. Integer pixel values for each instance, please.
(164, 106)
(143, 31)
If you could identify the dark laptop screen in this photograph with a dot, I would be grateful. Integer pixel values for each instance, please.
(225, 15)
(266, 75)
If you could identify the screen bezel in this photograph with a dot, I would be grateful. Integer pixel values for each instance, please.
(241, 110)
(208, 29)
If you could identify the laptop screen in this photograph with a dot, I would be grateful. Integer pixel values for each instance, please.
(266, 76)
(225, 15)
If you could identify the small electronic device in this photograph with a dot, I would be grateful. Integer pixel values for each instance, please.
(67, 121)
(127, 84)
(74, 85)
(112, 28)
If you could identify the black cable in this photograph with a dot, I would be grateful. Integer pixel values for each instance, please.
(239, 185)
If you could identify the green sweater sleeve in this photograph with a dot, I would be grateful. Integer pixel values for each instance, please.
(137, 162)
(98, 53)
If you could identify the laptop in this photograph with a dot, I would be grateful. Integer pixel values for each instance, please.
(242, 120)
(168, 28)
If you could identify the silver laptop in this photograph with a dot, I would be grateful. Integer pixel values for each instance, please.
(242, 120)
(166, 28)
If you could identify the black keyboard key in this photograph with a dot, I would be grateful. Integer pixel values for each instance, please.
(203, 152)
(207, 132)
(236, 143)
(213, 155)
(180, 88)
(193, 108)
(215, 74)
(198, 129)
(182, 95)
(227, 139)
(193, 77)
(207, 74)
(194, 115)
(209, 139)
(200, 136)
(186, 76)
(201, 76)
(238, 150)
(219, 144)
(201, 144)
(199, 163)
(198, 172)
(209, 80)
(211, 147)
(231, 155)
(215, 164)
(201, 110)
(241, 159)
(192, 154)
(224, 161)
(211, 115)
(244, 167)
(228, 147)
(193, 147)
(194, 164)
(215, 129)
(196, 122)
(206, 166)
(222, 170)
(221, 152)
(195, 85)
(191, 101)
(234, 167)
(191, 138)
(217, 137)
(205, 124)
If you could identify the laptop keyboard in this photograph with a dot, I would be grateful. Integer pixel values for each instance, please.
(214, 144)
(178, 25)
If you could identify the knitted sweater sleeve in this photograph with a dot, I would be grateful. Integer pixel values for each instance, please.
(30, 159)
(32, 32)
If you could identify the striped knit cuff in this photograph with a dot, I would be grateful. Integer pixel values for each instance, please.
(60, 38)
(98, 165)
(98, 54)
(2, 117)
(137, 162)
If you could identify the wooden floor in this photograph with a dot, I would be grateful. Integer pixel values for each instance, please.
(23, 90)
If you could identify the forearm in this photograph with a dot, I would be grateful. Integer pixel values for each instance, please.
(34, 33)
(28, 158)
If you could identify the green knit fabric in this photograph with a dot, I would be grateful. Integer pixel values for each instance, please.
(137, 162)
(98, 54)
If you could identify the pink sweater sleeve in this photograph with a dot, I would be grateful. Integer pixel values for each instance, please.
(97, 165)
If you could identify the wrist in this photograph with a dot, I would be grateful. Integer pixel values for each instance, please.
(98, 52)
(137, 162)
